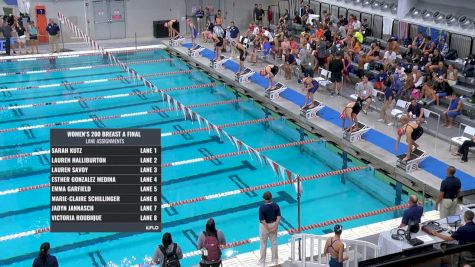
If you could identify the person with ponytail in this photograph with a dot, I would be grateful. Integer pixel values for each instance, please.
(44, 259)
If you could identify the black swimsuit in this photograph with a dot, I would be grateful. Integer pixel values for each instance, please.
(274, 70)
(242, 54)
(416, 132)
(357, 107)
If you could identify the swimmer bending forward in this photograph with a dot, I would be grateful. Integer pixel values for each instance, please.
(413, 131)
(270, 71)
(351, 112)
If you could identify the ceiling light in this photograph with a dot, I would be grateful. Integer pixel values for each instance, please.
(416, 13)
(375, 4)
(357, 2)
(465, 22)
(366, 3)
(450, 19)
(384, 6)
(427, 15)
(393, 8)
(438, 17)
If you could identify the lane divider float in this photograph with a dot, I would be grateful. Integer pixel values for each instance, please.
(117, 116)
(78, 100)
(83, 67)
(92, 53)
(91, 81)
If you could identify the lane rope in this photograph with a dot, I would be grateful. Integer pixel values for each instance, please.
(51, 85)
(83, 67)
(97, 52)
(78, 100)
(117, 116)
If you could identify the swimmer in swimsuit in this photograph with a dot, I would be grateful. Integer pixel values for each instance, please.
(335, 247)
(194, 32)
(270, 71)
(171, 31)
(351, 112)
(241, 47)
(413, 131)
(310, 86)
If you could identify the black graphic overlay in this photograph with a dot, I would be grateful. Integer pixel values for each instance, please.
(105, 180)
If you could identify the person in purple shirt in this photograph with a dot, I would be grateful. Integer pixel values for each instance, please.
(44, 259)
(269, 219)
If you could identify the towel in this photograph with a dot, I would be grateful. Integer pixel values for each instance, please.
(387, 26)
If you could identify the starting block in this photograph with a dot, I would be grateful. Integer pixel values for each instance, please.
(417, 156)
(356, 136)
(218, 64)
(244, 76)
(195, 52)
(310, 113)
(177, 40)
(274, 92)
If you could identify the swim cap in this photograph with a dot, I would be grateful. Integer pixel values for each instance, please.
(338, 229)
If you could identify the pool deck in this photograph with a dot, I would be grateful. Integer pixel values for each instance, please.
(378, 157)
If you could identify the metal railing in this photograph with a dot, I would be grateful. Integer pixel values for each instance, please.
(308, 251)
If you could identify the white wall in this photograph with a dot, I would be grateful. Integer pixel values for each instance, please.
(140, 14)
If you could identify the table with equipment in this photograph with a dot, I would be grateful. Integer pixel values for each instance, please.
(395, 240)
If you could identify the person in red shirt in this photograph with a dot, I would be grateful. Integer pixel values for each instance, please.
(270, 15)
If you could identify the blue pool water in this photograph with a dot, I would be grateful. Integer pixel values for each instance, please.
(323, 199)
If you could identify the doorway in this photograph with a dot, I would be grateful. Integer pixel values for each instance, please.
(109, 19)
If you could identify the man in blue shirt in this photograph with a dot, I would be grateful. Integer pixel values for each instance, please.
(464, 234)
(413, 214)
(53, 35)
(269, 218)
(449, 192)
(233, 36)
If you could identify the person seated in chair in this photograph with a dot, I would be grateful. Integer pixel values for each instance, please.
(413, 131)
(364, 90)
(289, 63)
(464, 149)
(455, 109)
(415, 111)
(464, 234)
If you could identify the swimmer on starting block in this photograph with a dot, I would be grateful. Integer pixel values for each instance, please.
(241, 46)
(171, 30)
(194, 32)
(351, 112)
(310, 86)
(413, 131)
(270, 71)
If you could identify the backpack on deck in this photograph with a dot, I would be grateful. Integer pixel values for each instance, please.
(452, 54)
(212, 252)
(170, 259)
(469, 68)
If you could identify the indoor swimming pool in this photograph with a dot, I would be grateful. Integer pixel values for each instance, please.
(88, 92)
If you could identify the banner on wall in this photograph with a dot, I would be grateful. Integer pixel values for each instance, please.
(435, 34)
